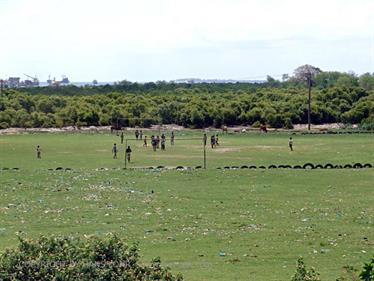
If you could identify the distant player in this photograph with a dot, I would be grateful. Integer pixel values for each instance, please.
(290, 143)
(212, 141)
(163, 140)
(114, 151)
(217, 140)
(38, 152)
(137, 134)
(128, 153)
(172, 138)
(154, 142)
(158, 142)
(145, 141)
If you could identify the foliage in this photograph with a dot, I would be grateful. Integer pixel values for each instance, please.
(367, 273)
(67, 258)
(304, 274)
(196, 106)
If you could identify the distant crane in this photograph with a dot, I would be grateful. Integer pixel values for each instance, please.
(35, 80)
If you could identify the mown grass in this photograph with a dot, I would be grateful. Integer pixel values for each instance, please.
(207, 224)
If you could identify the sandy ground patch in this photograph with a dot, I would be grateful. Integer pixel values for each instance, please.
(226, 149)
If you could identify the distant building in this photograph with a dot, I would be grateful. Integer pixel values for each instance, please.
(13, 82)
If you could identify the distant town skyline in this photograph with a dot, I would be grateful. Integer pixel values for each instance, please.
(148, 40)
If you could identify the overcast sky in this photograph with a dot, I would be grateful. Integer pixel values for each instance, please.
(143, 40)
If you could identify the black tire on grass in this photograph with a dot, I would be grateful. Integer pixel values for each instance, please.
(244, 167)
(252, 167)
(272, 167)
(227, 167)
(348, 166)
(59, 168)
(297, 167)
(318, 166)
(180, 168)
(198, 167)
(358, 166)
(338, 167)
(328, 166)
(368, 165)
(262, 167)
(160, 167)
(234, 167)
(308, 166)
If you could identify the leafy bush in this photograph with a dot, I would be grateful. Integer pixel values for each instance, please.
(303, 274)
(367, 273)
(67, 258)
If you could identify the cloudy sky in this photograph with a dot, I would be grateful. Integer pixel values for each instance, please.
(144, 40)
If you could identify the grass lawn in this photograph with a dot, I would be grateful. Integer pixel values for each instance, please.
(207, 224)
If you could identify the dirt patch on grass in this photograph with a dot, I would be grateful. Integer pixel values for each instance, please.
(226, 149)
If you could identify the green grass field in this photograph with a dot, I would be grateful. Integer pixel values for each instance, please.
(262, 220)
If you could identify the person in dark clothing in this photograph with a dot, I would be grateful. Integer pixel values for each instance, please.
(137, 134)
(212, 141)
(145, 141)
(172, 138)
(128, 153)
(114, 151)
(38, 152)
(122, 137)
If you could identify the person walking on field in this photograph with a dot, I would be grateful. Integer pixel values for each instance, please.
(172, 138)
(216, 140)
(141, 134)
(137, 134)
(114, 151)
(145, 141)
(158, 142)
(128, 153)
(38, 152)
(153, 142)
(163, 140)
(290, 143)
(212, 141)
(122, 137)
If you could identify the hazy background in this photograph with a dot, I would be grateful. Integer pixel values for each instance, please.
(143, 40)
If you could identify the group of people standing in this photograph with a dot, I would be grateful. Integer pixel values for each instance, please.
(127, 152)
(213, 140)
(156, 141)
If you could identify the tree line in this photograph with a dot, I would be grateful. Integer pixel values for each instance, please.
(336, 97)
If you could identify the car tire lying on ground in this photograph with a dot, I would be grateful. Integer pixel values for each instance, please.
(252, 167)
(347, 166)
(272, 167)
(308, 166)
(328, 166)
(368, 165)
(198, 167)
(244, 167)
(179, 168)
(297, 167)
(358, 166)
(59, 168)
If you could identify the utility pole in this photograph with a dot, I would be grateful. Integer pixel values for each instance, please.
(204, 146)
(1, 86)
(309, 81)
(125, 155)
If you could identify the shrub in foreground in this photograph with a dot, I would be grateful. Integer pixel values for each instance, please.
(68, 258)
